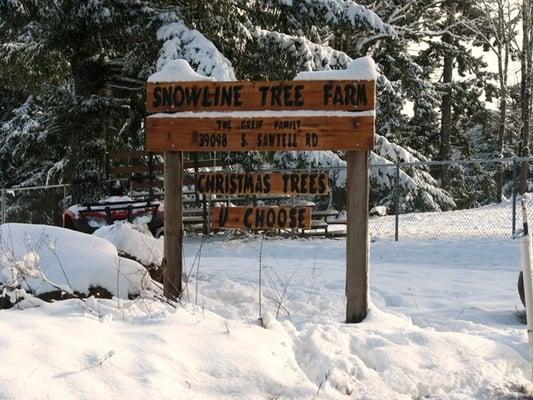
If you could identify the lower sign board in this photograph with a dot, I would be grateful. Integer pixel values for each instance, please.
(259, 218)
(263, 184)
(174, 133)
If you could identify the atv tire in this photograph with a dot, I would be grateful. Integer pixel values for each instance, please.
(520, 286)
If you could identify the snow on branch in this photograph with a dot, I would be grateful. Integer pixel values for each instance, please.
(180, 42)
(311, 56)
(357, 15)
(23, 126)
(419, 190)
(393, 152)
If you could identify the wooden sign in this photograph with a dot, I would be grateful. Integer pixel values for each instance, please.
(259, 218)
(259, 134)
(260, 95)
(263, 184)
(215, 116)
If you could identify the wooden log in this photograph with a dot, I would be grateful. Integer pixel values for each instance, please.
(263, 184)
(172, 264)
(126, 154)
(205, 163)
(259, 218)
(357, 236)
(134, 169)
(259, 133)
(143, 169)
(260, 95)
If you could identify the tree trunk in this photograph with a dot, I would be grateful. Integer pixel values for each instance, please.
(89, 76)
(501, 133)
(446, 105)
(503, 65)
(525, 92)
(89, 145)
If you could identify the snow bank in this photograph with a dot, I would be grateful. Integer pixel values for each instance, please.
(42, 258)
(176, 71)
(362, 68)
(453, 336)
(389, 357)
(186, 354)
(134, 241)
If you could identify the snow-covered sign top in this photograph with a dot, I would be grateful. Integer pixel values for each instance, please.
(177, 88)
(361, 69)
(178, 71)
(210, 115)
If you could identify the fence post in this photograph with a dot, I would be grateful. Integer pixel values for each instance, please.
(64, 197)
(151, 176)
(209, 211)
(195, 161)
(526, 273)
(4, 195)
(397, 204)
(204, 214)
(515, 165)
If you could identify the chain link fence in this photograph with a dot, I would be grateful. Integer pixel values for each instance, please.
(485, 195)
(471, 210)
(35, 205)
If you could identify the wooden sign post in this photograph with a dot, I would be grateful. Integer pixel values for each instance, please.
(173, 240)
(266, 116)
(357, 236)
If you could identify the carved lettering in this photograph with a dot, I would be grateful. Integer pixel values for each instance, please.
(262, 184)
(273, 95)
(262, 218)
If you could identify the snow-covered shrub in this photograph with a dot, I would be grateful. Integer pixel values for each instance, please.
(40, 259)
(136, 243)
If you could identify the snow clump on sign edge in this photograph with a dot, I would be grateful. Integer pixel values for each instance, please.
(176, 71)
(133, 241)
(362, 68)
(191, 46)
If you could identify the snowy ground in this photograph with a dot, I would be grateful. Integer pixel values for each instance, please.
(491, 221)
(443, 325)
(443, 319)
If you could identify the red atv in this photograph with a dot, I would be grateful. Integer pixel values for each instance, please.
(88, 217)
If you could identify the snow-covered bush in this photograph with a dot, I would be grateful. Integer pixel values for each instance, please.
(135, 242)
(40, 259)
(86, 65)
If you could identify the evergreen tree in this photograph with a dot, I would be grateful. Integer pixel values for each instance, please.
(323, 35)
(79, 71)
(85, 64)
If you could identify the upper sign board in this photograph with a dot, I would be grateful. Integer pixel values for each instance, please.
(260, 95)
